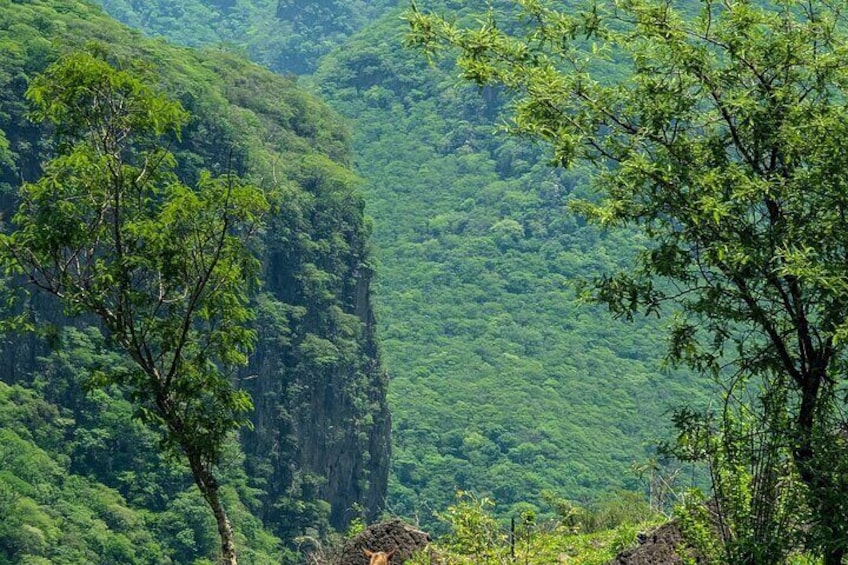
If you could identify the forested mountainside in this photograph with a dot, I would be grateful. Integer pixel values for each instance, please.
(284, 35)
(710, 134)
(81, 481)
(503, 382)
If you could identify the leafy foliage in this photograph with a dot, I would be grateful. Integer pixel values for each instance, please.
(56, 509)
(758, 509)
(110, 232)
(476, 538)
(475, 296)
(721, 146)
(284, 35)
(259, 125)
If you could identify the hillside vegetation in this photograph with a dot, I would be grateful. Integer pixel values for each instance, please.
(503, 382)
(288, 36)
(722, 145)
(511, 379)
(315, 346)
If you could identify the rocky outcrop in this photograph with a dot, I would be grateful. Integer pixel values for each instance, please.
(393, 535)
(321, 424)
(663, 546)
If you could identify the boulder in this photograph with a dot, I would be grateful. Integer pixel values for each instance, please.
(385, 536)
(663, 546)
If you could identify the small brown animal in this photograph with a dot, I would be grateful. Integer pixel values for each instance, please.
(379, 557)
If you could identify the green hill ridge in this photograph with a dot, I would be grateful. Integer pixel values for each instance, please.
(286, 476)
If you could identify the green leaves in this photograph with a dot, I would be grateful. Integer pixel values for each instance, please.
(586, 535)
(86, 96)
(721, 147)
(112, 232)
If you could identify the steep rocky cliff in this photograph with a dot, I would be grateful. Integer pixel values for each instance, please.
(321, 425)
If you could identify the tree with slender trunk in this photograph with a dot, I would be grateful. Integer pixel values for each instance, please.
(112, 232)
(724, 143)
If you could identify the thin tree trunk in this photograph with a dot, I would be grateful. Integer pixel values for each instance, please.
(804, 455)
(225, 529)
(209, 488)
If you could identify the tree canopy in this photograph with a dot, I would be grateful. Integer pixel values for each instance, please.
(110, 231)
(315, 345)
(723, 145)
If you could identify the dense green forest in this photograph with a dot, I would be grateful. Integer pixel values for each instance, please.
(315, 345)
(84, 483)
(503, 382)
(722, 145)
(509, 379)
(284, 35)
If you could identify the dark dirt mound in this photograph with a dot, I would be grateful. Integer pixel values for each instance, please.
(385, 536)
(663, 546)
